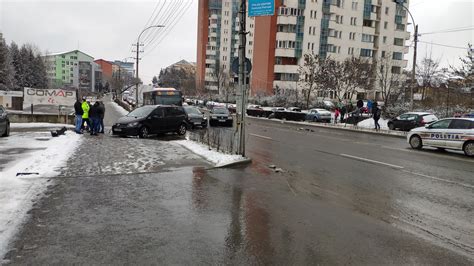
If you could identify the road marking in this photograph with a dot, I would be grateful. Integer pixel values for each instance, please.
(440, 179)
(260, 136)
(371, 161)
(450, 156)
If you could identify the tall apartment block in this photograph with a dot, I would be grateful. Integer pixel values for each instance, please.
(276, 44)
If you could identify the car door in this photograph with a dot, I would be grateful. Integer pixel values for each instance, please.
(156, 120)
(458, 128)
(170, 118)
(437, 132)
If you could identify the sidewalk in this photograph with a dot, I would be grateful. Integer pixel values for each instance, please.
(348, 127)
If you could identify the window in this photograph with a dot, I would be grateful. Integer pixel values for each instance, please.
(400, 26)
(383, 54)
(461, 124)
(385, 25)
(397, 56)
(386, 11)
(367, 23)
(366, 52)
(398, 41)
(367, 38)
(354, 5)
(442, 124)
(384, 39)
(396, 70)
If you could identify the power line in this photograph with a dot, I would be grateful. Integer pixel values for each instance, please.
(151, 20)
(450, 30)
(445, 45)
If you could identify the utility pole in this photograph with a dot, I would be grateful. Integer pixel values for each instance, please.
(242, 76)
(413, 70)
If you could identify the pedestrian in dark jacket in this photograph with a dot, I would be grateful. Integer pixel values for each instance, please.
(377, 113)
(79, 112)
(343, 112)
(101, 119)
(94, 116)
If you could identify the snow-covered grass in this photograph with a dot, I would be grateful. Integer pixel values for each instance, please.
(18, 192)
(216, 158)
(369, 123)
(120, 109)
(39, 125)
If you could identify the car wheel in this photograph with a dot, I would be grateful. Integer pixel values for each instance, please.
(415, 142)
(181, 130)
(7, 131)
(391, 126)
(468, 148)
(143, 133)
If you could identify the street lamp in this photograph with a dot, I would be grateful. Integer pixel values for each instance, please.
(138, 59)
(415, 40)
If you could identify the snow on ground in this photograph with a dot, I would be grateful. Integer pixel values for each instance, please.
(39, 125)
(369, 123)
(217, 158)
(18, 192)
(120, 109)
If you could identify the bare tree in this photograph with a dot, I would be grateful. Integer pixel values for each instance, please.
(426, 72)
(313, 74)
(390, 84)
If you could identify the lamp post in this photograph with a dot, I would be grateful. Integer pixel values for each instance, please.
(415, 40)
(138, 59)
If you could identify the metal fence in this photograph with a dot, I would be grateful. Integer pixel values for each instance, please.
(221, 139)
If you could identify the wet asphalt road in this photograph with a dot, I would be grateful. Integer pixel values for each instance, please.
(132, 201)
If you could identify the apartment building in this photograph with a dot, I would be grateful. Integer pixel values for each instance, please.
(276, 44)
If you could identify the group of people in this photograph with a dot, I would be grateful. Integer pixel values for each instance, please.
(89, 117)
(372, 109)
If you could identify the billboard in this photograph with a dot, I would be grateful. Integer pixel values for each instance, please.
(52, 97)
(261, 8)
(85, 75)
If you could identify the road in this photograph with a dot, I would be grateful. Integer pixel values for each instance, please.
(428, 193)
(135, 201)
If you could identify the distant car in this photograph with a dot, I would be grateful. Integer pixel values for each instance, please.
(278, 109)
(471, 115)
(152, 119)
(318, 115)
(4, 122)
(220, 116)
(294, 109)
(449, 133)
(195, 117)
(411, 120)
(325, 104)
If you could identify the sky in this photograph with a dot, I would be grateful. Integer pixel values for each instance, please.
(107, 28)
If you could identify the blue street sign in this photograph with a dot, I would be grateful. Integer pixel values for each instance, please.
(261, 8)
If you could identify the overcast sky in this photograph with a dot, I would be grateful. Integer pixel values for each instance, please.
(106, 28)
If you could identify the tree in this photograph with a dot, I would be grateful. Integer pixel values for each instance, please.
(7, 72)
(466, 70)
(390, 84)
(313, 74)
(154, 81)
(426, 73)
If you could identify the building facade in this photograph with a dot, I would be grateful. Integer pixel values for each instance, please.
(276, 45)
(107, 69)
(74, 69)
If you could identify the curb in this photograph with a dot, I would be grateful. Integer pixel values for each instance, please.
(244, 161)
(401, 135)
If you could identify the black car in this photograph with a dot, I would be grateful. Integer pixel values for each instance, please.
(152, 119)
(408, 121)
(220, 116)
(195, 117)
(4, 123)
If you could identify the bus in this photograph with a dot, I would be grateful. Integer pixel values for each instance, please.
(163, 96)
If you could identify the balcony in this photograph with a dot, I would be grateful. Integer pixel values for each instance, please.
(286, 36)
(284, 84)
(286, 69)
(210, 61)
(369, 30)
(285, 20)
(334, 25)
(285, 52)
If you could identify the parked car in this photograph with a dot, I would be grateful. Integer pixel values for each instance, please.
(278, 109)
(220, 116)
(4, 122)
(152, 119)
(325, 104)
(294, 109)
(318, 115)
(411, 120)
(195, 117)
(449, 133)
(469, 115)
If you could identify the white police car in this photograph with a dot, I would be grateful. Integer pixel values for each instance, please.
(449, 133)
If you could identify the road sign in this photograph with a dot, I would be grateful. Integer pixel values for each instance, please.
(235, 66)
(261, 8)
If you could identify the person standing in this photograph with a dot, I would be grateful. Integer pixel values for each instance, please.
(78, 111)
(85, 111)
(94, 114)
(343, 112)
(101, 117)
(369, 106)
(336, 115)
(376, 115)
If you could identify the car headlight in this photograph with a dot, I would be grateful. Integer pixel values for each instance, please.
(133, 124)
(204, 118)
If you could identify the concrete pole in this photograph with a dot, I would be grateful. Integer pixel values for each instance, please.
(242, 75)
(413, 70)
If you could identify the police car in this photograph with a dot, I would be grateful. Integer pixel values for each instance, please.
(449, 133)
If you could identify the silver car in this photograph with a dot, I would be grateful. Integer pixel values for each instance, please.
(318, 115)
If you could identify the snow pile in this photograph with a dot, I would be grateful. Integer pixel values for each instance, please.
(120, 109)
(39, 125)
(217, 158)
(17, 192)
(369, 123)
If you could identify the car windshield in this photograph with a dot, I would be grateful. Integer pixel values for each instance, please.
(220, 111)
(192, 110)
(141, 111)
